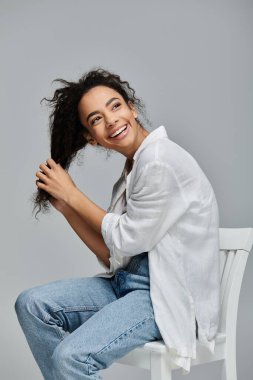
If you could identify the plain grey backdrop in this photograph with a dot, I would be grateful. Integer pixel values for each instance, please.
(191, 63)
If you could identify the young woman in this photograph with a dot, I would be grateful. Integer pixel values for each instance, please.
(158, 241)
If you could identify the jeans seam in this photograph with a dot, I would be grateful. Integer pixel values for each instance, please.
(88, 364)
(124, 333)
(69, 309)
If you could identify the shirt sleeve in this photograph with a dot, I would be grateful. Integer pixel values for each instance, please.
(112, 266)
(154, 206)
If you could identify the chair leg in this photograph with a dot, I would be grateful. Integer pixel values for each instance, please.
(229, 365)
(160, 367)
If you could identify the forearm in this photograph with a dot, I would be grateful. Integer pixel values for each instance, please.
(89, 212)
(93, 239)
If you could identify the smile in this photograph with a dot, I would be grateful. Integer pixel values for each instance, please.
(121, 133)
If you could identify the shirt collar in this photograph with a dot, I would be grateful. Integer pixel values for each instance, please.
(154, 135)
(158, 133)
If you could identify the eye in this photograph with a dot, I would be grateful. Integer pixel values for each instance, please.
(117, 104)
(92, 122)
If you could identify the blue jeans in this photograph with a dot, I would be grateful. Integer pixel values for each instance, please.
(76, 327)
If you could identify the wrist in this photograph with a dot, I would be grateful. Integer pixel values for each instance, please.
(65, 210)
(73, 197)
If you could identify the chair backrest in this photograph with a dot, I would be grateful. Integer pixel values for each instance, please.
(235, 245)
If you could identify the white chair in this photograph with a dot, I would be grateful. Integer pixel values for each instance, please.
(235, 245)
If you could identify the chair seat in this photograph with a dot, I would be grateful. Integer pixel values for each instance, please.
(159, 345)
(140, 356)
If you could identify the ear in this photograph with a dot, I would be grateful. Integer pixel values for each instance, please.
(133, 109)
(89, 138)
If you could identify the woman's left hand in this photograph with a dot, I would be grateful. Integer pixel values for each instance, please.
(55, 180)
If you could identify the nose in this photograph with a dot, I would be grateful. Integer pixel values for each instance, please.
(110, 121)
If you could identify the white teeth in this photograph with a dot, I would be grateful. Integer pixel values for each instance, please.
(118, 131)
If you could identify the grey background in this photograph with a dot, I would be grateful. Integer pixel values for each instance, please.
(191, 62)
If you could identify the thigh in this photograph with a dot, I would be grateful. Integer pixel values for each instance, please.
(69, 302)
(113, 331)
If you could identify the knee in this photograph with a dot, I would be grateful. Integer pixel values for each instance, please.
(26, 301)
(68, 362)
(65, 363)
(60, 358)
(22, 301)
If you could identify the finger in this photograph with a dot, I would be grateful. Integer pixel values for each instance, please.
(39, 184)
(41, 176)
(44, 168)
(51, 162)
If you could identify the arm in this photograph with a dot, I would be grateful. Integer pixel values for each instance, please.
(86, 233)
(155, 205)
(84, 216)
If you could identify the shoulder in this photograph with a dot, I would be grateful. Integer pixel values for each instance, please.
(163, 152)
(164, 157)
(153, 165)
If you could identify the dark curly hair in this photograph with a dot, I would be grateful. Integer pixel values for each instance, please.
(65, 128)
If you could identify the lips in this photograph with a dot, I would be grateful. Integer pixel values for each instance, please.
(118, 129)
(121, 135)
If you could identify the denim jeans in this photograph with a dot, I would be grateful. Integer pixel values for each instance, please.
(76, 327)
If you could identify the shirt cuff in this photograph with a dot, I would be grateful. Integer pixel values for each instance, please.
(108, 222)
(114, 265)
(107, 226)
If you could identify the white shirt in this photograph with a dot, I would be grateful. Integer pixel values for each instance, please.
(167, 206)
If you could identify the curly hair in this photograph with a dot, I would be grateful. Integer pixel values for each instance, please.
(65, 128)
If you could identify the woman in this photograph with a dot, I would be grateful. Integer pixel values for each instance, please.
(157, 241)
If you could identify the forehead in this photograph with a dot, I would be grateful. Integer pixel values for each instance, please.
(96, 98)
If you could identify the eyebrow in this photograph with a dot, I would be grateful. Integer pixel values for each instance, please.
(106, 104)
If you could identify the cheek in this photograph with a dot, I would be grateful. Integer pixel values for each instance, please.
(128, 115)
(100, 135)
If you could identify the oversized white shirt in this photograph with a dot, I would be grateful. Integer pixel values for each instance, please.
(167, 206)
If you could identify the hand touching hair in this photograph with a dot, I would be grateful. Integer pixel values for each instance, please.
(67, 133)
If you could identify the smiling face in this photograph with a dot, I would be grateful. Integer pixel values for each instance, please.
(103, 111)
